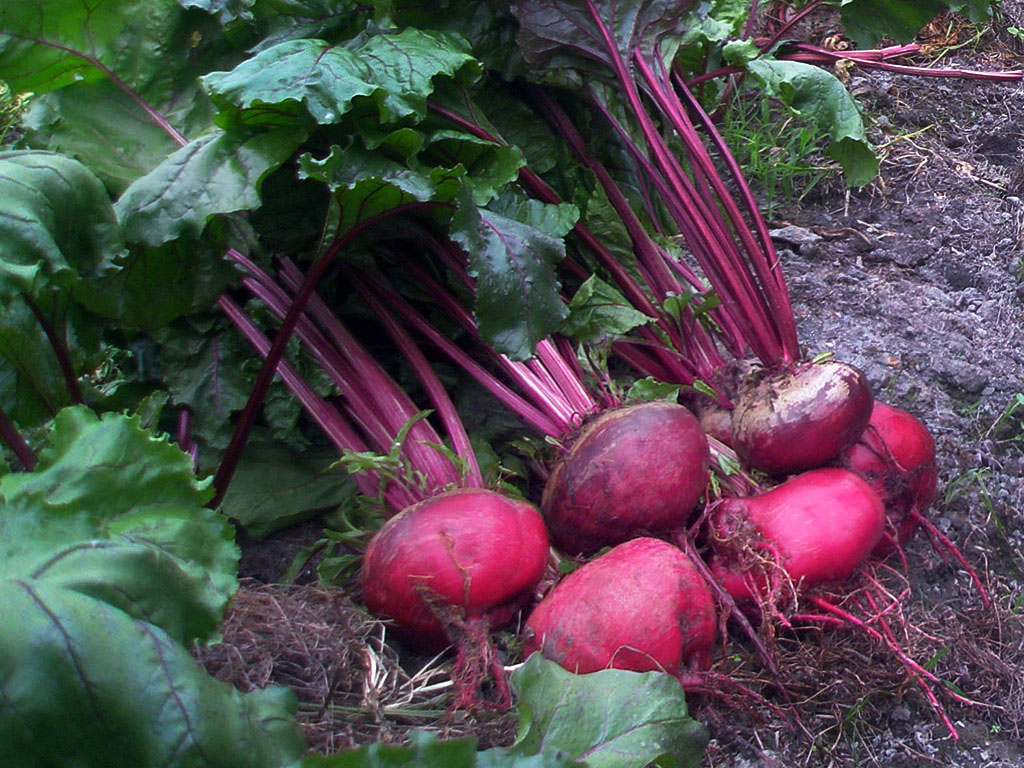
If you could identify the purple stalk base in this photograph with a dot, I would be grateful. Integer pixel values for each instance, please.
(243, 428)
(12, 437)
(326, 416)
(60, 350)
(371, 398)
(185, 441)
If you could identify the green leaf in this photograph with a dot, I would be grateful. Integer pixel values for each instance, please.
(103, 127)
(32, 387)
(599, 312)
(607, 719)
(203, 367)
(323, 78)
(89, 457)
(404, 65)
(119, 691)
(48, 44)
(114, 512)
(555, 219)
(866, 22)
(650, 388)
(157, 285)
(218, 173)
(425, 751)
(56, 225)
(490, 167)
(371, 183)
(275, 486)
(517, 302)
(818, 95)
(151, 50)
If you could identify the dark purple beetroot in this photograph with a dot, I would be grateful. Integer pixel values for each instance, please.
(468, 554)
(787, 421)
(631, 470)
(640, 606)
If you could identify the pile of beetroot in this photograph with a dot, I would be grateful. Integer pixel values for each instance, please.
(844, 482)
(754, 503)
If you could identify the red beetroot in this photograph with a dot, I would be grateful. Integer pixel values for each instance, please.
(896, 455)
(631, 470)
(640, 606)
(791, 420)
(465, 554)
(818, 527)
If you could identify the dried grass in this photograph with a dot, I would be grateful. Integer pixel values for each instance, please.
(353, 686)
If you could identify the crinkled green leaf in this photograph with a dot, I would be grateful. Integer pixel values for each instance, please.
(56, 224)
(490, 167)
(558, 34)
(866, 22)
(114, 512)
(276, 486)
(107, 465)
(818, 95)
(599, 312)
(323, 78)
(102, 126)
(86, 685)
(32, 387)
(203, 366)
(368, 184)
(404, 65)
(555, 219)
(517, 302)
(607, 719)
(650, 388)
(218, 173)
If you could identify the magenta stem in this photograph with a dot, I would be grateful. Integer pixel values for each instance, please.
(325, 415)
(12, 437)
(248, 418)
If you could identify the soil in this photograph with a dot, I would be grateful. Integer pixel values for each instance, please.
(918, 279)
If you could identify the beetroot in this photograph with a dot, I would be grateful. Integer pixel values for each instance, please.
(817, 527)
(640, 606)
(789, 420)
(896, 455)
(631, 470)
(464, 554)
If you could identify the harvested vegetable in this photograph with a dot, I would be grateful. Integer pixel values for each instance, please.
(640, 606)
(896, 455)
(791, 419)
(640, 468)
(465, 555)
(817, 528)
